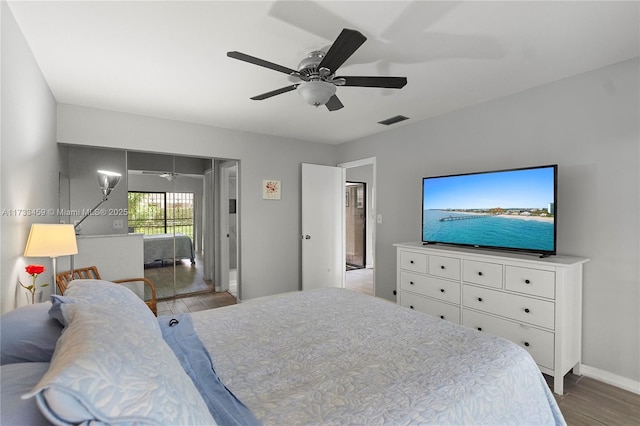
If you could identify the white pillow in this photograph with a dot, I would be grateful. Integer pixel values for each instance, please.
(108, 368)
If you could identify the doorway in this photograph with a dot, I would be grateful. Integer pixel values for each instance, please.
(361, 278)
(355, 225)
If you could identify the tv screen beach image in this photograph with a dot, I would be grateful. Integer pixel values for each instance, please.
(506, 209)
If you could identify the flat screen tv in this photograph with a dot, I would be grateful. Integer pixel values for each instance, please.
(503, 209)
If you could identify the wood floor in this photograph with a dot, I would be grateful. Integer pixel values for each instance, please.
(360, 280)
(588, 402)
(188, 277)
(198, 302)
(585, 402)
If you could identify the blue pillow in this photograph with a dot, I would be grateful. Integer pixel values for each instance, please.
(28, 334)
(16, 380)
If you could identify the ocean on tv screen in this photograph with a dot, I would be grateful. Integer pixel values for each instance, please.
(517, 229)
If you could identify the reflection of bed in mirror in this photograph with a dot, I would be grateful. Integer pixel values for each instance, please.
(159, 247)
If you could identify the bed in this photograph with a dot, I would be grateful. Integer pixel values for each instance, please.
(327, 356)
(159, 247)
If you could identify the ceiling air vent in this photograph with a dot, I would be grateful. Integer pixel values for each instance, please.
(393, 120)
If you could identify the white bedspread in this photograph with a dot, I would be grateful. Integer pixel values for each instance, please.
(337, 357)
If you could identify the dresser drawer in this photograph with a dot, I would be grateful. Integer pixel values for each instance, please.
(431, 307)
(416, 262)
(539, 343)
(444, 267)
(449, 291)
(512, 306)
(536, 282)
(483, 273)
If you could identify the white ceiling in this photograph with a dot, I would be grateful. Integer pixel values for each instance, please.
(168, 59)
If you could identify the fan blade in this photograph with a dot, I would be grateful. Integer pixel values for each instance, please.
(345, 45)
(275, 92)
(334, 103)
(260, 62)
(385, 82)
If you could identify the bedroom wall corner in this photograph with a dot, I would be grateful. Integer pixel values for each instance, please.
(29, 158)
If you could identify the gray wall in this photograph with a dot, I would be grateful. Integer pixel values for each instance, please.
(85, 192)
(29, 155)
(588, 125)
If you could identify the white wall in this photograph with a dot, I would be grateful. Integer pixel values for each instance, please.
(588, 125)
(269, 231)
(29, 155)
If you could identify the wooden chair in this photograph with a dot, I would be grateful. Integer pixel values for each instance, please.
(91, 272)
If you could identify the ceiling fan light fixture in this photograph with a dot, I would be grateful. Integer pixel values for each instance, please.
(169, 176)
(317, 73)
(316, 92)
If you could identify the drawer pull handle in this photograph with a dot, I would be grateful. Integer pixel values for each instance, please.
(527, 281)
(411, 306)
(442, 267)
(479, 299)
(527, 310)
(479, 328)
(441, 316)
(480, 273)
(527, 344)
(411, 282)
(411, 262)
(442, 290)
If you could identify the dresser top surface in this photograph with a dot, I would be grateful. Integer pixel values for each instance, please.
(558, 260)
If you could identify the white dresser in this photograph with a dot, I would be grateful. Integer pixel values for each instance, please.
(535, 302)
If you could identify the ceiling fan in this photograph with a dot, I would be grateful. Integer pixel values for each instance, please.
(170, 176)
(317, 72)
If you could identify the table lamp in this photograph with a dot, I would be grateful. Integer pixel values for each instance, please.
(51, 240)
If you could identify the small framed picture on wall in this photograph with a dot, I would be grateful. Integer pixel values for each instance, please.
(271, 189)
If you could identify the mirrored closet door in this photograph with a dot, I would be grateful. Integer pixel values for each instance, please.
(168, 210)
(166, 205)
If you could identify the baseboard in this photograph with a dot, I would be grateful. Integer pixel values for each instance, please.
(611, 379)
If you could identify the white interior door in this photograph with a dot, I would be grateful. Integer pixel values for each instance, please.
(322, 226)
